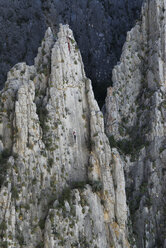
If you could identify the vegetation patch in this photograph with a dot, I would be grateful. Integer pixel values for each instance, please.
(20, 239)
(50, 162)
(3, 244)
(4, 165)
(42, 223)
(79, 185)
(96, 185)
(127, 146)
(15, 194)
(65, 196)
(42, 113)
(40, 245)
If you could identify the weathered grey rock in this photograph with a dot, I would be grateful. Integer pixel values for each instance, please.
(100, 28)
(135, 121)
(57, 189)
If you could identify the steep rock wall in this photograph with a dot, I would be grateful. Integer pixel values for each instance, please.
(135, 123)
(99, 26)
(57, 190)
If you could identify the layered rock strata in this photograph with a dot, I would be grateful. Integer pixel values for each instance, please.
(61, 184)
(136, 123)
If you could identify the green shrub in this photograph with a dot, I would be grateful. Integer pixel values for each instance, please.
(76, 47)
(5, 154)
(125, 146)
(41, 223)
(42, 113)
(121, 131)
(96, 185)
(3, 226)
(79, 185)
(20, 239)
(72, 41)
(27, 207)
(102, 202)
(15, 194)
(41, 245)
(3, 244)
(50, 162)
(112, 141)
(144, 188)
(65, 196)
(30, 146)
(149, 202)
(51, 217)
(4, 165)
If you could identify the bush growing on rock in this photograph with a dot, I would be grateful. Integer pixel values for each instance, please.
(4, 165)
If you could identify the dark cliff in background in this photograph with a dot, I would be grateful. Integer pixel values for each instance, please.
(22, 26)
(99, 26)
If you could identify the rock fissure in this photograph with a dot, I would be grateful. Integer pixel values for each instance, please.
(62, 180)
(135, 122)
(61, 190)
(100, 49)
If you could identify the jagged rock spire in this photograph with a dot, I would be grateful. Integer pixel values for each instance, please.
(135, 122)
(61, 184)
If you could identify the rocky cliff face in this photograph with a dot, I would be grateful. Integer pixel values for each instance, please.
(62, 180)
(99, 26)
(22, 27)
(135, 123)
(58, 188)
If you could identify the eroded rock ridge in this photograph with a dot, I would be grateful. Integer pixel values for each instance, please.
(61, 184)
(136, 123)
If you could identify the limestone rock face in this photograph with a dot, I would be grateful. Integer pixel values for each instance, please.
(99, 26)
(136, 123)
(61, 184)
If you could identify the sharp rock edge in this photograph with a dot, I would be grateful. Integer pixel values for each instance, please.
(58, 189)
(136, 123)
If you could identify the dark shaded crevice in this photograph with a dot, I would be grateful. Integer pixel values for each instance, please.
(99, 27)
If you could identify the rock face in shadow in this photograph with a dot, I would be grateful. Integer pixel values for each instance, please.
(136, 123)
(100, 29)
(61, 183)
(99, 26)
(22, 26)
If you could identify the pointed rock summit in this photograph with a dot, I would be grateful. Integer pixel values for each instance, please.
(61, 184)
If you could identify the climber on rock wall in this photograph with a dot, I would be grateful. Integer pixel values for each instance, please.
(68, 42)
(74, 135)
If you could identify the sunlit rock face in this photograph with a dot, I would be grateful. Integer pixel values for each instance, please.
(99, 26)
(61, 183)
(136, 123)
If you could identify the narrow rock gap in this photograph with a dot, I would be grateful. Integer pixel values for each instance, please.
(115, 19)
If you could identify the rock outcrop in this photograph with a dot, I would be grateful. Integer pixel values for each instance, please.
(100, 28)
(136, 123)
(61, 184)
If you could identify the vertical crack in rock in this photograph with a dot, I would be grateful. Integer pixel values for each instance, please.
(135, 123)
(99, 26)
(61, 184)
